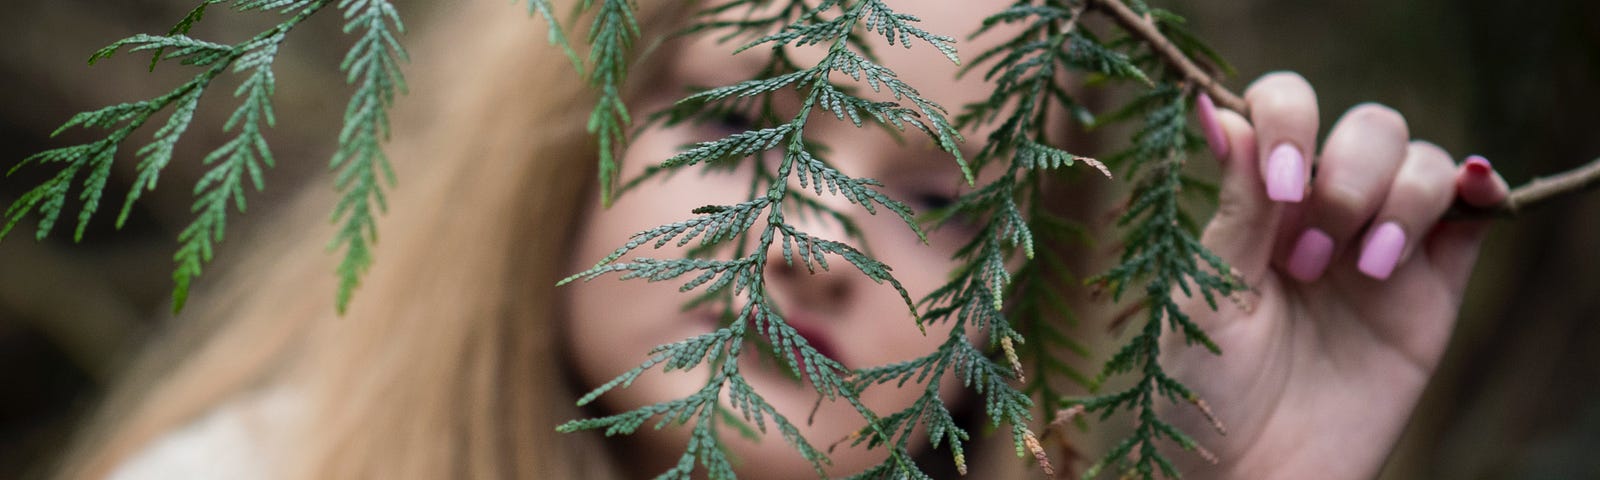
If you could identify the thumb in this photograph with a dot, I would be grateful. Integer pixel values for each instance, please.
(1245, 226)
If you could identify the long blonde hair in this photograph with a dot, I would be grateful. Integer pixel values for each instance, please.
(447, 361)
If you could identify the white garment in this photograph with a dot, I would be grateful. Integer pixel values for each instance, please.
(232, 442)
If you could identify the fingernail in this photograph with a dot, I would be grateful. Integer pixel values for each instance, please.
(1286, 172)
(1478, 166)
(1477, 184)
(1210, 126)
(1310, 255)
(1382, 251)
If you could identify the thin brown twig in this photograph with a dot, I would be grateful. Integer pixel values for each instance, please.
(1543, 188)
(1146, 30)
(1522, 198)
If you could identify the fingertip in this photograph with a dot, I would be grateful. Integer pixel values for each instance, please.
(1478, 185)
(1477, 166)
(1382, 252)
(1310, 256)
(1236, 130)
(1274, 79)
(1244, 214)
(1454, 246)
(1206, 109)
(1283, 109)
(1286, 174)
(1233, 125)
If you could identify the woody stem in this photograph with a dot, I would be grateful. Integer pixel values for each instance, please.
(1526, 196)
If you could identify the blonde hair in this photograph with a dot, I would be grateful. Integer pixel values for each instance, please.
(447, 364)
(444, 364)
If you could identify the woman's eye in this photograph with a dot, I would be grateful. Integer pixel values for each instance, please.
(937, 209)
(731, 122)
(932, 201)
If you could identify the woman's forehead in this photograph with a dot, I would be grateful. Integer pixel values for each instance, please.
(923, 67)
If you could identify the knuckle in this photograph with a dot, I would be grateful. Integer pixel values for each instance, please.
(1344, 196)
(1433, 156)
(1278, 90)
(1421, 186)
(1429, 172)
(1343, 199)
(1378, 115)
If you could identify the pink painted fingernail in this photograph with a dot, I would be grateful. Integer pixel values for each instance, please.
(1310, 255)
(1478, 166)
(1210, 126)
(1382, 252)
(1286, 174)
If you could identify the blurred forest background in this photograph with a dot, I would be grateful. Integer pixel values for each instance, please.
(1519, 82)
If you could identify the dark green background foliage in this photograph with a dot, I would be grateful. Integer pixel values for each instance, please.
(1517, 396)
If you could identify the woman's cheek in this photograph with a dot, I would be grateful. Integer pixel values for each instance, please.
(612, 322)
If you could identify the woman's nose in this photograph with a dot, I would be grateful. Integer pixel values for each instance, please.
(801, 275)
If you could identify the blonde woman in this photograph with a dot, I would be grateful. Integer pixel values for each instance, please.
(458, 358)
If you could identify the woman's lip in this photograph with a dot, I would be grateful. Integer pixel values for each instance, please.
(804, 326)
(816, 337)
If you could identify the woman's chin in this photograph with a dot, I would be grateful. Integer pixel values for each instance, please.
(827, 426)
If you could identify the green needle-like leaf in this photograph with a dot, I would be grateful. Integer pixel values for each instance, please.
(361, 167)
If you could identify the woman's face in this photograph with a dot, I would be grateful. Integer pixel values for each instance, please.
(613, 323)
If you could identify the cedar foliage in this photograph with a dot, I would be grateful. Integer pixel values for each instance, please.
(372, 66)
(1013, 311)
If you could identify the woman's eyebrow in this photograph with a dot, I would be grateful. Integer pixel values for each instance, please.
(705, 63)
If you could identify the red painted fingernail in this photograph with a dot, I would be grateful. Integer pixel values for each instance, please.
(1210, 126)
(1478, 166)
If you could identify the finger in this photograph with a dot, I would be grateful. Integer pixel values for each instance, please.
(1283, 108)
(1216, 138)
(1453, 245)
(1419, 195)
(1354, 175)
(1478, 185)
(1245, 216)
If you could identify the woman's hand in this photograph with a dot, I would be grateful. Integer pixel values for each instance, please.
(1355, 283)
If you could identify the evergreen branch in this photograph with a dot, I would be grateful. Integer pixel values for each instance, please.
(897, 430)
(372, 65)
(1042, 311)
(611, 38)
(242, 157)
(738, 145)
(557, 35)
(817, 174)
(1027, 83)
(721, 349)
(973, 298)
(1164, 254)
(270, 5)
(715, 224)
(750, 22)
(1145, 27)
(182, 28)
(800, 161)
